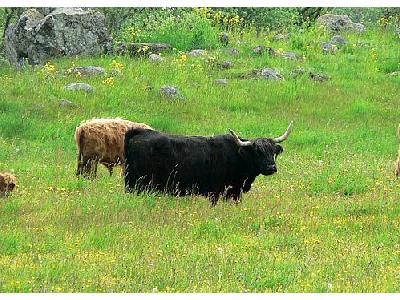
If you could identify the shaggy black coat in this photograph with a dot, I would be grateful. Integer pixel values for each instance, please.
(210, 166)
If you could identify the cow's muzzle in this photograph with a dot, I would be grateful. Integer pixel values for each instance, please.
(269, 170)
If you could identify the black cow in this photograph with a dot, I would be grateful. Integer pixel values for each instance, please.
(224, 165)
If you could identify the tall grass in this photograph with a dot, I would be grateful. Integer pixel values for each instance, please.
(184, 32)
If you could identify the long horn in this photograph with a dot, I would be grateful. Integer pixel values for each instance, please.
(237, 140)
(285, 135)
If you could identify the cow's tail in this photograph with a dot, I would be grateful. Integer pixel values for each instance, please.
(79, 136)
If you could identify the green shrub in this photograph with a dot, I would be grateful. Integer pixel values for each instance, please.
(184, 32)
(270, 18)
(188, 32)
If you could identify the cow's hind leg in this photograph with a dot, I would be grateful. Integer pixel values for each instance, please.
(81, 166)
(80, 169)
(89, 168)
(234, 194)
(213, 199)
(84, 165)
(94, 169)
(109, 168)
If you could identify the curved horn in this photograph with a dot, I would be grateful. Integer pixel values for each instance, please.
(237, 140)
(285, 135)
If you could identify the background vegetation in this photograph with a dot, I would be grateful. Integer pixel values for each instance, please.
(328, 221)
(144, 24)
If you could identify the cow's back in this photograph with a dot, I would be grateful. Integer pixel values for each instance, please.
(104, 138)
(184, 163)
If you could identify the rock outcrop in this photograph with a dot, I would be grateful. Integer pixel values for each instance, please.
(63, 32)
(337, 23)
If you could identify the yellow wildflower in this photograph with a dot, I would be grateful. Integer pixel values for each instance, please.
(117, 65)
(109, 81)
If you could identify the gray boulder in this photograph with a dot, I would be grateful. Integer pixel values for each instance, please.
(280, 37)
(265, 73)
(338, 40)
(171, 92)
(286, 55)
(232, 51)
(62, 32)
(291, 56)
(269, 73)
(79, 86)
(337, 23)
(273, 52)
(297, 72)
(225, 64)
(259, 50)
(45, 10)
(358, 27)
(64, 103)
(395, 74)
(88, 71)
(318, 76)
(197, 52)
(363, 44)
(222, 81)
(329, 48)
(224, 38)
(155, 58)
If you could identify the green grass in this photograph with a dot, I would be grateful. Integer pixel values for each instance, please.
(328, 221)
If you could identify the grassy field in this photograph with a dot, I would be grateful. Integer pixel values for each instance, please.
(328, 221)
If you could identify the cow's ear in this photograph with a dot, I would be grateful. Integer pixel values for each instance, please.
(278, 149)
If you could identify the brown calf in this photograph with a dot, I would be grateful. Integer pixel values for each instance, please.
(102, 141)
(7, 183)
